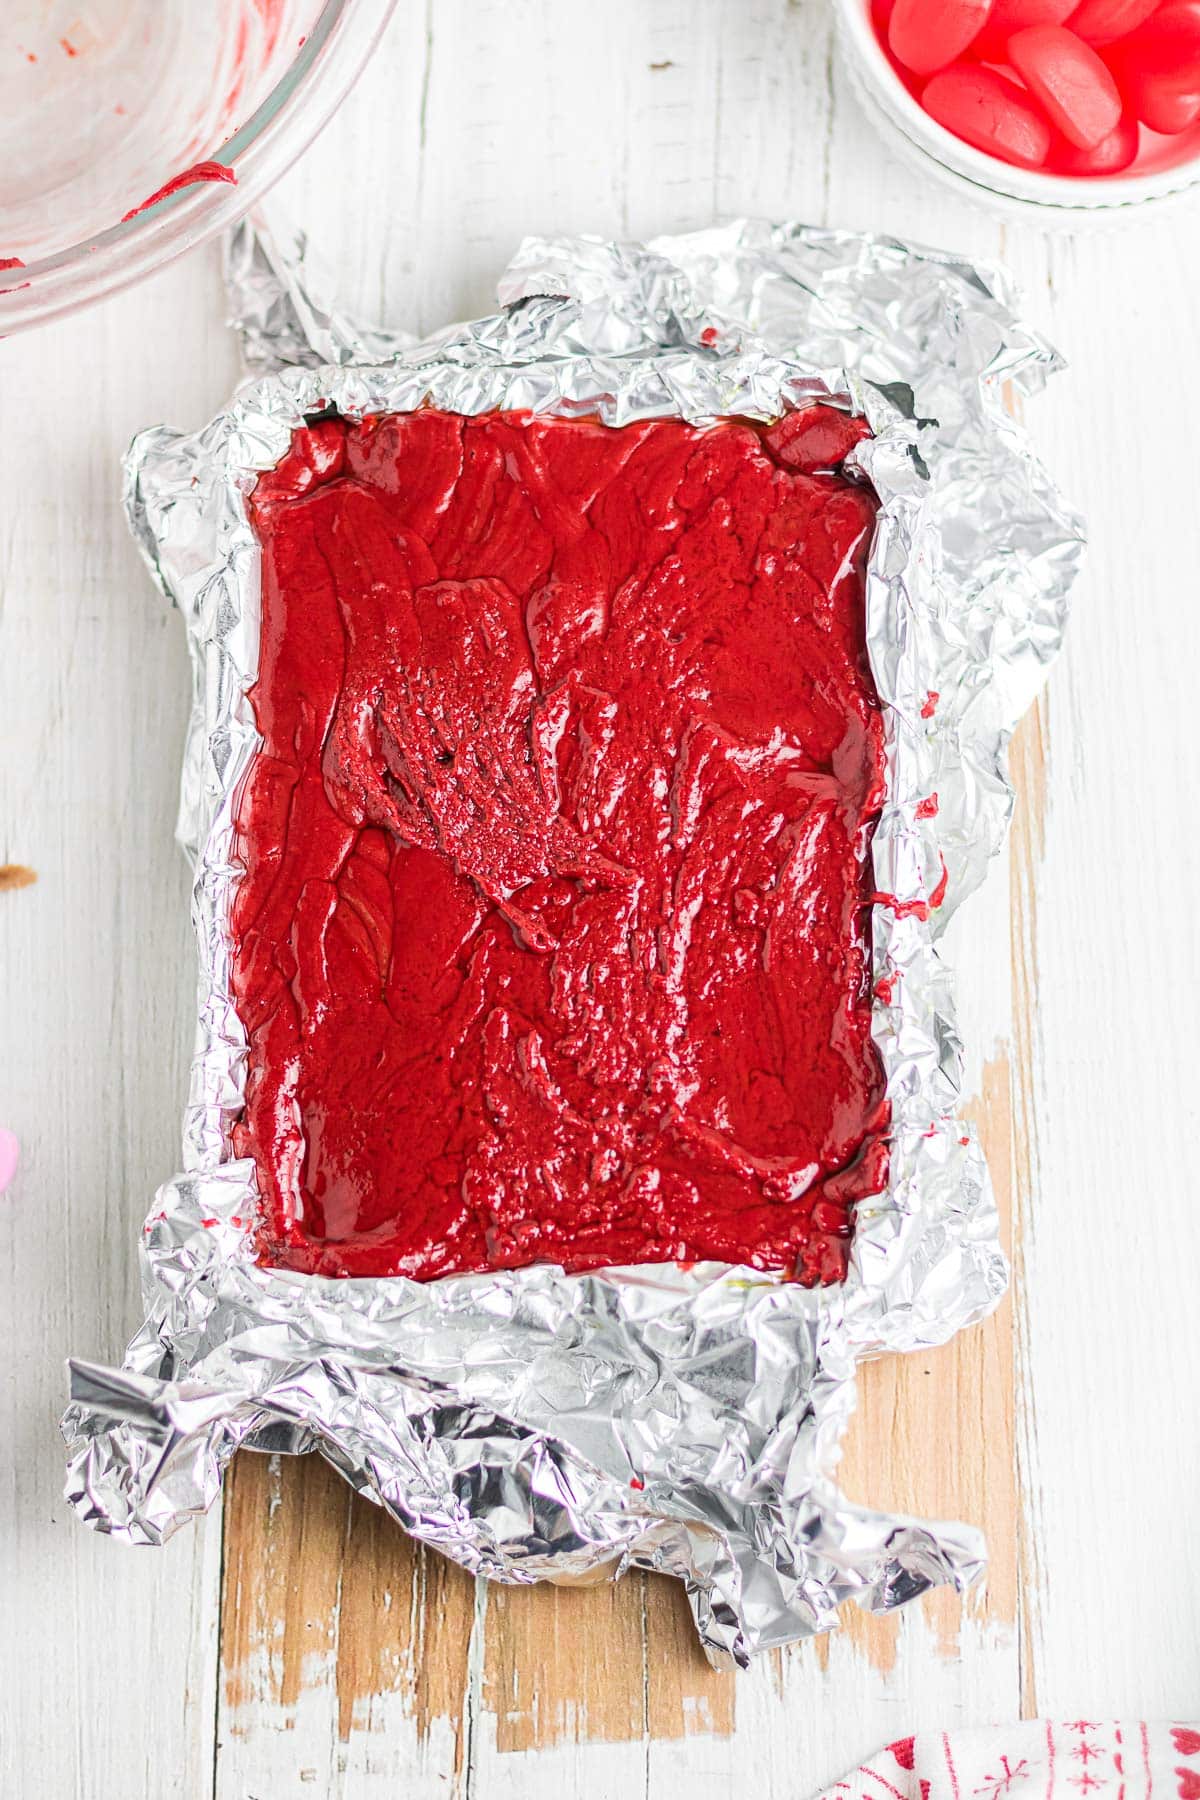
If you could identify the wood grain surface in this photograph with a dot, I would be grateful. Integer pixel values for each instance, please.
(295, 1643)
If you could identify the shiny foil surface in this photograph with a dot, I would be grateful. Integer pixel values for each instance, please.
(530, 1424)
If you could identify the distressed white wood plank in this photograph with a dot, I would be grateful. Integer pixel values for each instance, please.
(1116, 1245)
(107, 1656)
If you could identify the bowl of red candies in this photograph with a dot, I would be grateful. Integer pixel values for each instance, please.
(1065, 105)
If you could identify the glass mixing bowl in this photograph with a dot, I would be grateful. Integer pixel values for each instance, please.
(104, 103)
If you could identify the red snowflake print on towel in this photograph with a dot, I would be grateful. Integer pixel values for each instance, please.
(1087, 1753)
(1189, 1784)
(993, 1787)
(1186, 1742)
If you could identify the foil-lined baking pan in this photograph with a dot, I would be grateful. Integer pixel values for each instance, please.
(532, 1424)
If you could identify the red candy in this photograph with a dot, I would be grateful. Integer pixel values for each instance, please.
(1010, 16)
(1054, 85)
(1070, 81)
(1100, 21)
(1108, 157)
(1157, 68)
(990, 111)
(1170, 113)
(1167, 47)
(1153, 102)
(927, 34)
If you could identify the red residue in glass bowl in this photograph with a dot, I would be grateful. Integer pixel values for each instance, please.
(202, 171)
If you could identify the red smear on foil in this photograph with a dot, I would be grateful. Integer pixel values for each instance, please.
(916, 909)
(938, 895)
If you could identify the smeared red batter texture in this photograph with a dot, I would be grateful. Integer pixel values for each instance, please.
(552, 943)
(201, 171)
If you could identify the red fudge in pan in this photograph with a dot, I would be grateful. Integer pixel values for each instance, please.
(553, 938)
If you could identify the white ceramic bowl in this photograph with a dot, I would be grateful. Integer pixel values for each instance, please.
(103, 102)
(1050, 198)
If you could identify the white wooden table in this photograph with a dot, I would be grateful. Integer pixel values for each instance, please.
(298, 1645)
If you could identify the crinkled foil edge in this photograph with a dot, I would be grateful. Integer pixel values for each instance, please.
(532, 1424)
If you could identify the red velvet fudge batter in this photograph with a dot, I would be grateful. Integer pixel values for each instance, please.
(553, 940)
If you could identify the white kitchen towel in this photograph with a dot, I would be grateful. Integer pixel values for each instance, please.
(1040, 1759)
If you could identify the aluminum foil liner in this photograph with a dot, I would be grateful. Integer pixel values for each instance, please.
(535, 1425)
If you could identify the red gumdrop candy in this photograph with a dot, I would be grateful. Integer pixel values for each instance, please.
(988, 110)
(925, 35)
(1153, 102)
(1067, 77)
(1170, 113)
(1167, 47)
(1157, 67)
(1101, 21)
(1108, 157)
(1009, 16)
